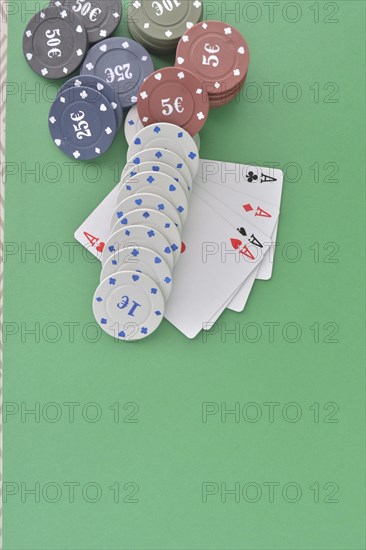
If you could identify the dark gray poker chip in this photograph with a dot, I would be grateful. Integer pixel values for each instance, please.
(83, 127)
(159, 25)
(55, 42)
(123, 64)
(72, 86)
(100, 17)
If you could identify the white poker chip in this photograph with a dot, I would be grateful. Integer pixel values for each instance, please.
(141, 260)
(146, 200)
(158, 221)
(167, 136)
(133, 125)
(130, 170)
(159, 184)
(167, 157)
(138, 235)
(129, 306)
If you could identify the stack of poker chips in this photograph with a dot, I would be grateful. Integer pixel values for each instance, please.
(88, 110)
(85, 117)
(57, 38)
(176, 96)
(159, 25)
(218, 55)
(145, 244)
(123, 63)
(100, 17)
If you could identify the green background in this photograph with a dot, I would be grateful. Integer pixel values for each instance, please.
(312, 127)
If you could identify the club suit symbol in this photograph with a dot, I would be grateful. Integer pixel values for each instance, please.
(251, 177)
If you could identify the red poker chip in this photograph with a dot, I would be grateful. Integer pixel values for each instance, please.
(217, 54)
(222, 100)
(176, 96)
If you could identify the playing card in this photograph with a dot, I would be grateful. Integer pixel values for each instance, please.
(266, 219)
(265, 184)
(95, 231)
(219, 255)
(260, 213)
(240, 299)
(243, 292)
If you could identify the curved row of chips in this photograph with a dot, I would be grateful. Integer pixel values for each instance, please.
(145, 242)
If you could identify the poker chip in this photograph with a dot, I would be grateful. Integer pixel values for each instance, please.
(133, 125)
(84, 126)
(218, 54)
(55, 42)
(96, 84)
(176, 96)
(156, 220)
(131, 170)
(159, 24)
(158, 50)
(159, 184)
(138, 235)
(141, 260)
(150, 201)
(223, 99)
(129, 305)
(166, 157)
(123, 64)
(100, 17)
(167, 136)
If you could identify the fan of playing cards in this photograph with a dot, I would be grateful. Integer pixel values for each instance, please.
(179, 237)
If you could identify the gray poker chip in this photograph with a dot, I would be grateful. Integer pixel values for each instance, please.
(159, 25)
(55, 42)
(123, 64)
(98, 84)
(100, 17)
(83, 127)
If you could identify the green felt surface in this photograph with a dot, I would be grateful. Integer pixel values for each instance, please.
(157, 452)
